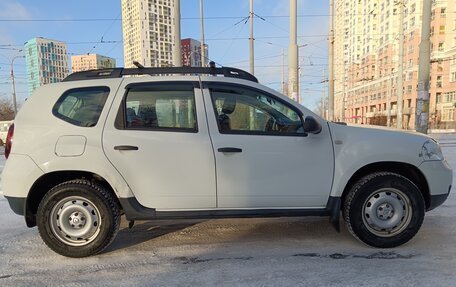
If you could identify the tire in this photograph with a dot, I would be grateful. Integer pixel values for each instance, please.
(92, 218)
(384, 210)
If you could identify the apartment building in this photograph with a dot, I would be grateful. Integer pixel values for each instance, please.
(367, 45)
(443, 69)
(191, 53)
(46, 62)
(147, 32)
(91, 62)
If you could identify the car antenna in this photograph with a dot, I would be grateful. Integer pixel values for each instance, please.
(137, 64)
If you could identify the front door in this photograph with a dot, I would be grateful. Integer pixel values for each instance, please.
(264, 159)
(160, 144)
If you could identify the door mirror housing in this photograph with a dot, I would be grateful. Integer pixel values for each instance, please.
(311, 125)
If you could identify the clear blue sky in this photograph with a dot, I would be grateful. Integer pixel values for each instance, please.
(223, 23)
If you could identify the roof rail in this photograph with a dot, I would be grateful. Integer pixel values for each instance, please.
(120, 72)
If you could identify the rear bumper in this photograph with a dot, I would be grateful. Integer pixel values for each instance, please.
(17, 204)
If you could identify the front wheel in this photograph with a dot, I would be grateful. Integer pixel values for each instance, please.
(384, 210)
(78, 218)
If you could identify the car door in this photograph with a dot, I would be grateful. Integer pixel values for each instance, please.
(157, 137)
(263, 156)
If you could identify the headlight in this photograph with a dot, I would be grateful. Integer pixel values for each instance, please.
(431, 151)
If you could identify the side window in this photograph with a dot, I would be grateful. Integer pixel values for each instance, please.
(245, 111)
(164, 107)
(81, 107)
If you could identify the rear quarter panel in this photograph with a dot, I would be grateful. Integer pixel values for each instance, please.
(37, 131)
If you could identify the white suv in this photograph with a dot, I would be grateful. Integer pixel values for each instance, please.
(210, 143)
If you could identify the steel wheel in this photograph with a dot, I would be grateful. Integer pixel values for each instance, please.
(387, 212)
(384, 209)
(78, 218)
(75, 221)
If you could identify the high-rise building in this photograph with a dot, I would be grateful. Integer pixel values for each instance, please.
(191, 53)
(91, 62)
(148, 36)
(443, 69)
(46, 60)
(367, 41)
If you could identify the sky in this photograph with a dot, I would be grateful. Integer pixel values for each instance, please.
(90, 26)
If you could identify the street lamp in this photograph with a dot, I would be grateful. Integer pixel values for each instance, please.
(12, 78)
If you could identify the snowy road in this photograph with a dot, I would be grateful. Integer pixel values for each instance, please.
(237, 252)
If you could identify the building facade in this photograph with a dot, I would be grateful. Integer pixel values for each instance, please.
(46, 61)
(91, 62)
(191, 53)
(367, 62)
(148, 36)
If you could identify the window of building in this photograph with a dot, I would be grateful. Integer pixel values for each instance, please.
(453, 77)
(442, 30)
(439, 82)
(409, 89)
(441, 47)
(438, 97)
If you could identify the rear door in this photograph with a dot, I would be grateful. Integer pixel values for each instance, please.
(157, 137)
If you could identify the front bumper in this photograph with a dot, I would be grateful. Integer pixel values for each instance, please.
(439, 176)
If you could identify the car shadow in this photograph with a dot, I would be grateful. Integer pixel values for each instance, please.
(144, 231)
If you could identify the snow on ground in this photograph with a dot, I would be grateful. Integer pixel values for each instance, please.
(237, 252)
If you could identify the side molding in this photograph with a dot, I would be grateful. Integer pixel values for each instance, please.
(135, 211)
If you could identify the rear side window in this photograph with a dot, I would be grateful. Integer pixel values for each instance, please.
(161, 107)
(81, 107)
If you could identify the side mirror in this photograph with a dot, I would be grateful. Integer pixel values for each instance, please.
(311, 125)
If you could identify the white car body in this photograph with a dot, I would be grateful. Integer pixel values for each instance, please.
(184, 172)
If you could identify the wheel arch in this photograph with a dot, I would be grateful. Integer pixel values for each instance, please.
(47, 181)
(409, 171)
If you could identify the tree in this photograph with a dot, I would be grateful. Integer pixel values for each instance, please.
(6, 110)
(318, 107)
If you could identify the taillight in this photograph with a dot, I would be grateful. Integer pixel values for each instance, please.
(9, 140)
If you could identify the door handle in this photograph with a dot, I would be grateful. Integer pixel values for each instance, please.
(229, 149)
(125, 147)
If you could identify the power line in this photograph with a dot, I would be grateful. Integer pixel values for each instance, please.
(107, 30)
(206, 18)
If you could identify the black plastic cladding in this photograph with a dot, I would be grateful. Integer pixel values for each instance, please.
(120, 72)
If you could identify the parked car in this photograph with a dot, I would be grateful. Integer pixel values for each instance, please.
(208, 143)
(4, 126)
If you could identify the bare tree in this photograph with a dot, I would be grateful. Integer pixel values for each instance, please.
(318, 107)
(6, 110)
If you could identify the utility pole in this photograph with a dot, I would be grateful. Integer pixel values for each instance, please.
(422, 99)
(388, 101)
(342, 108)
(203, 50)
(293, 52)
(177, 55)
(13, 82)
(283, 72)
(400, 68)
(331, 62)
(252, 46)
(323, 96)
(14, 90)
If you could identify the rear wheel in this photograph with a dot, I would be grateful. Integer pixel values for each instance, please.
(384, 210)
(78, 218)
